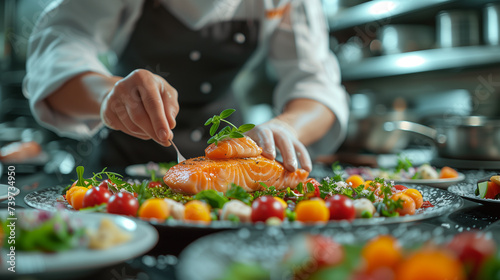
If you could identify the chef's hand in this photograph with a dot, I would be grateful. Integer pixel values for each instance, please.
(277, 134)
(143, 105)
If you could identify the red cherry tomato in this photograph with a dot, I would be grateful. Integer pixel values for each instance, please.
(123, 203)
(325, 251)
(105, 184)
(96, 196)
(400, 187)
(266, 207)
(341, 207)
(472, 248)
(154, 184)
(316, 185)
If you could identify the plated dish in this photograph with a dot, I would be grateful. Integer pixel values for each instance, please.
(234, 182)
(4, 192)
(338, 254)
(79, 260)
(408, 174)
(444, 203)
(437, 183)
(467, 191)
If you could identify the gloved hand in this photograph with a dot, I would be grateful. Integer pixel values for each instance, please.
(143, 105)
(277, 134)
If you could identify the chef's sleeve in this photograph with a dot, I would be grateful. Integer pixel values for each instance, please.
(69, 39)
(306, 68)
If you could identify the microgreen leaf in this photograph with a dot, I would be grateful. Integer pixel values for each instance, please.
(79, 172)
(226, 113)
(236, 134)
(213, 139)
(230, 131)
(246, 127)
(214, 128)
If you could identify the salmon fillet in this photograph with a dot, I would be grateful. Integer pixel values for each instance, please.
(233, 148)
(201, 173)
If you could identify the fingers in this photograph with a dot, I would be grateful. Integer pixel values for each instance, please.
(170, 101)
(116, 117)
(303, 156)
(287, 149)
(265, 139)
(143, 105)
(151, 115)
(271, 136)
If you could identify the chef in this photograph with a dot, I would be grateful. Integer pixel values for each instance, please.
(175, 67)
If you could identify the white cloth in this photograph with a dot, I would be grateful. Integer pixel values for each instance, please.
(71, 35)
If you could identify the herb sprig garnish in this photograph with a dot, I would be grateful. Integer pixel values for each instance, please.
(230, 131)
(403, 164)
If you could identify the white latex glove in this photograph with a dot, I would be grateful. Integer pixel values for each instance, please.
(277, 134)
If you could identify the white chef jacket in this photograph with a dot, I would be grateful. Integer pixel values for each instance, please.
(70, 36)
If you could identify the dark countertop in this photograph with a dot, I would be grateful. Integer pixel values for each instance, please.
(160, 262)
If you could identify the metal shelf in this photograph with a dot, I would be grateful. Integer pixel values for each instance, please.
(382, 11)
(421, 61)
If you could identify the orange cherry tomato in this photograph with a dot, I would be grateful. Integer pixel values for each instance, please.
(355, 180)
(77, 197)
(154, 208)
(408, 204)
(198, 211)
(381, 251)
(313, 210)
(430, 264)
(416, 196)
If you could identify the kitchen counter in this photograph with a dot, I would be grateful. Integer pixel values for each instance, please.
(160, 263)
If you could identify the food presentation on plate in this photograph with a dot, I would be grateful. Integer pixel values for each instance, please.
(235, 184)
(370, 253)
(485, 191)
(51, 242)
(406, 172)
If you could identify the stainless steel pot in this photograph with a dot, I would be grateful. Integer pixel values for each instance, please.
(466, 138)
(368, 134)
(457, 28)
(401, 38)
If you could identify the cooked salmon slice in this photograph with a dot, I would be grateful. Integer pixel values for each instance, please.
(233, 148)
(201, 173)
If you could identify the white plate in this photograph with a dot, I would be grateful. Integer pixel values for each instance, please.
(4, 192)
(72, 263)
(437, 183)
(467, 191)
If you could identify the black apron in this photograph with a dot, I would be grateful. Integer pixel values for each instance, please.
(200, 64)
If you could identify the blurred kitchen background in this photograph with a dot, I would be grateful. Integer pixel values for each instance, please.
(424, 61)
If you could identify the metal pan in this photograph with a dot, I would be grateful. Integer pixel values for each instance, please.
(467, 138)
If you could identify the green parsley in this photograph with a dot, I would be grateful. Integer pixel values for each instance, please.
(237, 192)
(230, 131)
(403, 164)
